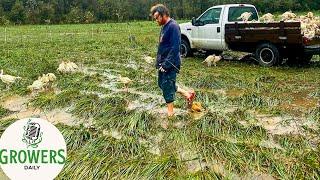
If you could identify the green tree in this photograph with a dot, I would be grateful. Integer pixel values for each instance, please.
(46, 12)
(3, 19)
(62, 8)
(89, 17)
(7, 5)
(32, 12)
(18, 13)
(2, 13)
(74, 16)
(79, 11)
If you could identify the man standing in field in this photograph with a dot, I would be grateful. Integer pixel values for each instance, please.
(168, 57)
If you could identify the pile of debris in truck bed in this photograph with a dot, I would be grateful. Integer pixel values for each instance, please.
(310, 24)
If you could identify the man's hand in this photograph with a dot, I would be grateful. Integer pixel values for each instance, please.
(161, 69)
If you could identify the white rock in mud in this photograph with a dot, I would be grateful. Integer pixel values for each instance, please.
(270, 144)
(196, 166)
(179, 125)
(113, 133)
(155, 150)
(116, 135)
(143, 142)
(149, 59)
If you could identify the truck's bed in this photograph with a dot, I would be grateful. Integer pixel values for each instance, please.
(238, 35)
(278, 32)
(285, 35)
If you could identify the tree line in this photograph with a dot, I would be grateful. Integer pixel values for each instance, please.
(95, 11)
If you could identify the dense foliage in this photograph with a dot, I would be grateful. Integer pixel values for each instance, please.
(90, 11)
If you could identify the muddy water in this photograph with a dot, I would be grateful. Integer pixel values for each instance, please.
(162, 117)
(138, 105)
(162, 112)
(60, 116)
(304, 102)
(153, 143)
(145, 95)
(258, 176)
(130, 64)
(15, 103)
(100, 95)
(270, 144)
(235, 92)
(194, 163)
(30, 112)
(226, 109)
(301, 103)
(145, 102)
(112, 83)
(18, 105)
(55, 116)
(279, 125)
(107, 73)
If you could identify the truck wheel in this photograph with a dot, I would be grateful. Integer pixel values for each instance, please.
(267, 54)
(248, 57)
(185, 50)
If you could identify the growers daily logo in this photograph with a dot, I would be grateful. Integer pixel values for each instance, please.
(32, 148)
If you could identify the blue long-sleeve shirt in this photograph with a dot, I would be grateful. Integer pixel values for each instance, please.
(168, 55)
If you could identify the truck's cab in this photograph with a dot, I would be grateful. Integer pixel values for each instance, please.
(207, 31)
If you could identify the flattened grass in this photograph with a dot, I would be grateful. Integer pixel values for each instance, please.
(228, 92)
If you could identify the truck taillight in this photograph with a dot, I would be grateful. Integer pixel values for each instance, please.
(306, 40)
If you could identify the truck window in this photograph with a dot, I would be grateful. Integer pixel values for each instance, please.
(212, 16)
(235, 12)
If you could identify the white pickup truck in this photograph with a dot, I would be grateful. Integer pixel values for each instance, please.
(219, 29)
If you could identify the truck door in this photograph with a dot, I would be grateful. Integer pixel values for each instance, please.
(208, 35)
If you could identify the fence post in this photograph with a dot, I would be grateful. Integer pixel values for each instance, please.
(92, 32)
(5, 34)
(50, 33)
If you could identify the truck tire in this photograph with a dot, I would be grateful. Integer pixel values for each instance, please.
(248, 57)
(185, 50)
(267, 54)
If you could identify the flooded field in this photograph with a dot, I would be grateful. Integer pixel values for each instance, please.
(256, 122)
